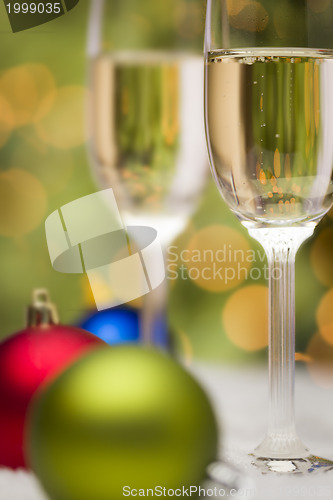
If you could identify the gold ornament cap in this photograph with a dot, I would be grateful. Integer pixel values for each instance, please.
(41, 311)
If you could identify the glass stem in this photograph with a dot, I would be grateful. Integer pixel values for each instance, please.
(281, 245)
(154, 323)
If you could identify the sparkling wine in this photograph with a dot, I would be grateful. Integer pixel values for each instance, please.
(147, 131)
(269, 119)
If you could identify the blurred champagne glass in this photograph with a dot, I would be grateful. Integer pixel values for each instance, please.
(146, 118)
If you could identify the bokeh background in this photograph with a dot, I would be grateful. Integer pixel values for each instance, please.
(44, 164)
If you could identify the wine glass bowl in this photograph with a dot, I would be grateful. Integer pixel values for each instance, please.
(269, 129)
(147, 134)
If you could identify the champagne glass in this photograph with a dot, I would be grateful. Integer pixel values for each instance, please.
(269, 128)
(146, 119)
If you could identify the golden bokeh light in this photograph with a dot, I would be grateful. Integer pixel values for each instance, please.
(320, 365)
(234, 7)
(23, 203)
(88, 297)
(53, 167)
(102, 291)
(62, 118)
(321, 257)
(245, 318)
(120, 254)
(7, 121)
(247, 15)
(285, 14)
(25, 87)
(304, 358)
(112, 284)
(325, 317)
(218, 258)
(44, 83)
(262, 177)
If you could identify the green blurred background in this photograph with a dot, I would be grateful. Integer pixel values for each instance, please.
(44, 164)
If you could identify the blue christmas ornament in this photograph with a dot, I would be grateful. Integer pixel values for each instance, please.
(115, 326)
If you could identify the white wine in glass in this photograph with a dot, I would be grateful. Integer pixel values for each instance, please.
(147, 135)
(270, 123)
(269, 127)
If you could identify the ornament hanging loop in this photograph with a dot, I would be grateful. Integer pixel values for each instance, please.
(41, 311)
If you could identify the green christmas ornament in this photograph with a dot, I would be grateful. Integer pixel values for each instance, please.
(127, 416)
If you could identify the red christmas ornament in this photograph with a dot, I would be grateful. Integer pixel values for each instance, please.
(29, 359)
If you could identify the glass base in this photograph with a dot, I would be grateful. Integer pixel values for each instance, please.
(239, 472)
(282, 446)
(309, 465)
